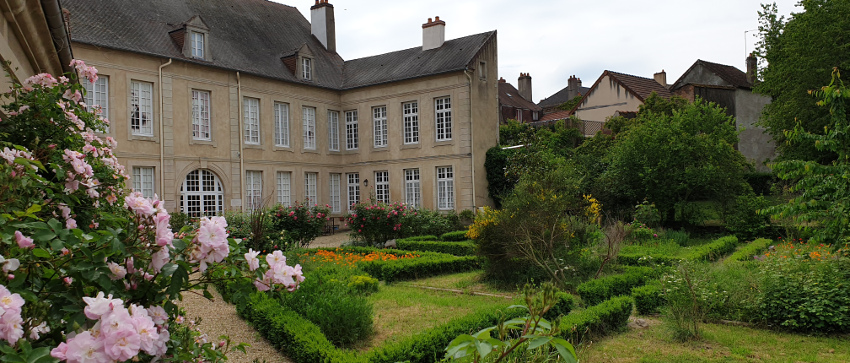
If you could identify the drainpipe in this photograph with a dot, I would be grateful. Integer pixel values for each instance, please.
(162, 134)
(471, 137)
(241, 143)
(58, 30)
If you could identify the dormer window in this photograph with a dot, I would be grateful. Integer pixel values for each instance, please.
(306, 68)
(197, 39)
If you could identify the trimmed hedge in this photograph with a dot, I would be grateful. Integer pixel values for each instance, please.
(714, 250)
(608, 316)
(647, 260)
(452, 248)
(429, 237)
(456, 236)
(303, 341)
(746, 252)
(596, 291)
(566, 303)
(648, 299)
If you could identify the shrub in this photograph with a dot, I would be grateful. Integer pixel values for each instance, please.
(301, 223)
(608, 316)
(648, 298)
(422, 238)
(374, 224)
(430, 222)
(639, 232)
(744, 219)
(454, 236)
(749, 250)
(691, 295)
(431, 264)
(714, 250)
(647, 213)
(564, 304)
(601, 289)
(254, 228)
(180, 220)
(452, 248)
(363, 284)
(682, 237)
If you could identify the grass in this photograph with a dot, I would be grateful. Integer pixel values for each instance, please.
(720, 343)
(666, 247)
(402, 311)
(468, 282)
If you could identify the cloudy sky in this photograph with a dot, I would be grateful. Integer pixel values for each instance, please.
(552, 39)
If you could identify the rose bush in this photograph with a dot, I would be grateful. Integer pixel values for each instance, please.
(90, 270)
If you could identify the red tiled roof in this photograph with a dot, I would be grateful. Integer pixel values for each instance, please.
(641, 87)
(559, 115)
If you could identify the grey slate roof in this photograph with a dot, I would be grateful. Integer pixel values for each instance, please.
(729, 74)
(251, 36)
(561, 96)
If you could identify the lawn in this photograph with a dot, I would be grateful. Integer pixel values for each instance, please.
(720, 343)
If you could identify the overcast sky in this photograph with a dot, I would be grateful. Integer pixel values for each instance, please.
(552, 39)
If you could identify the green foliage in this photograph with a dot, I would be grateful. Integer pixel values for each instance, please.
(374, 224)
(675, 156)
(792, 68)
(713, 251)
(565, 302)
(180, 220)
(688, 296)
(648, 299)
(429, 237)
(363, 284)
(647, 213)
(595, 291)
(747, 251)
(515, 133)
(499, 183)
(256, 228)
(301, 223)
(609, 316)
(822, 201)
(745, 219)
(670, 253)
(452, 248)
(571, 104)
(761, 183)
(454, 236)
(427, 264)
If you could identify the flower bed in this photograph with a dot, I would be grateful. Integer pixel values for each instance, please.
(350, 258)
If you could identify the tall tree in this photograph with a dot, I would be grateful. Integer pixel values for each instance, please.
(800, 54)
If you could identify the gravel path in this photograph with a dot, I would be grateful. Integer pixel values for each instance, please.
(219, 318)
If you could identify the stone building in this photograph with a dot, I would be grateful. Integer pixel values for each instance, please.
(516, 104)
(230, 104)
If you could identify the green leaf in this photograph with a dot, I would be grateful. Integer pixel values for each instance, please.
(538, 341)
(483, 348)
(565, 349)
(41, 355)
(40, 253)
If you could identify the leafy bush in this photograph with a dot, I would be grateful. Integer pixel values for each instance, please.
(601, 289)
(691, 295)
(430, 222)
(608, 316)
(374, 224)
(564, 304)
(255, 228)
(301, 223)
(363, 284)
(761, 183)
(429, 264)
(648, 298)
(452, 248)
(646, 213)
(681, 237)
(422, 238)
(747, 251)
(744, 219)
(714, 250)
(454, 236)
(180, 220)
(639, 232)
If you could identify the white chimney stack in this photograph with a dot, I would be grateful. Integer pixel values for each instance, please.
(323, 25)
(433, 34)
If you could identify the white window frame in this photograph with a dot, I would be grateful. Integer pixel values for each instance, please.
(382, 186)
(412, 188)
(308, 116)
(353, 189)
(143, 180)
(284, 188)
(141, 108)
(97, 94)
(307, 68)
(253, 189)
(445, 188)
(333, 130)
(311, 181)
(198, 41)
(281, 124)
(207, 191)
(251, 119)
(379, 120)
(410, 115)
(443, 118)
(335, 198)
(352, 139)
(201, 124)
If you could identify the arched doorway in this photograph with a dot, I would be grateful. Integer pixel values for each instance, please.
(201, 194)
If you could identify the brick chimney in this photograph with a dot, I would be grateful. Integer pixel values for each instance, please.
(323, 25)
(524, 85)
(752, 68)
(502, 80)
(661, 78)
(433, 34)
(573, 86)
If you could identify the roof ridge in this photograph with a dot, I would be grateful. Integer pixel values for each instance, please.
(411, 48)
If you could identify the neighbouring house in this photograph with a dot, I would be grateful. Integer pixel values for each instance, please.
(732, 89)
(35, 40)
(571, 91)
(235, 104)
(516, 104)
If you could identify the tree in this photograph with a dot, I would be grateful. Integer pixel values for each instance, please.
(800, 54)
(669, 158)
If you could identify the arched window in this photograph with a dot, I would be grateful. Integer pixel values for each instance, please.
(201, 194)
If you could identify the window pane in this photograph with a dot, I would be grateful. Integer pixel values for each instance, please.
(284, 182)
(353, 190)
(333, 130)
(351, 137)
(141, 108)
(253, 189)
(445, 188)
(310, 183)
(410, 112)
(251, 109)
(443, 108)
(201, 194)
(335, 202)
(379, 118)
(281, 124)
(309, 128)
(201, 115)
(412, 188)
(382, 187)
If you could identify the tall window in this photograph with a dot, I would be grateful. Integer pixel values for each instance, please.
(351, 137)
(201, 194)
(382, 186)
(251, 108)
(306, 69)
(353, 190)
(333, 130)
(336, 203)
(412, 189)
(281, 124)
(410, 112)
(143, 180)
(379, 118)
(519, 115)
(284, 188)
(198, 45)
(445, 188)
(200, 115)
(310, 183)
(309, 116)
(443, 108)
(253, 189)
(97, 95)
(141, 108)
